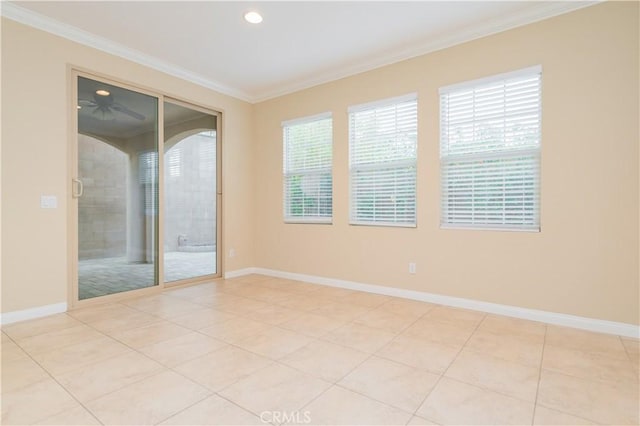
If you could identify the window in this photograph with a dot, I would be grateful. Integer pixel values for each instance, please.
(174, 160)
(382, 162)
(490, 152)
(207, 154)
(307, 169)
(148, 170)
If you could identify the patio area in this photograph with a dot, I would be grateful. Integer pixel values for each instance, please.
(99, 277)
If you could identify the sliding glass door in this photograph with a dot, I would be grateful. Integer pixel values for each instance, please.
(142, 220)
(116, 189)
(190, 193)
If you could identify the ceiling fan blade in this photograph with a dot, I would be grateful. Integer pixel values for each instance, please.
(123, 109)
(84, 102)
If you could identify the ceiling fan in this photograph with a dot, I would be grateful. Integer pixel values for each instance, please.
(104, 104)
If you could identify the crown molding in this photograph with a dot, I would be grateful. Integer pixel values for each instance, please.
(44, 23)
(494, 26)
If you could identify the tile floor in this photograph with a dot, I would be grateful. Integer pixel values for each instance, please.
(256, 349)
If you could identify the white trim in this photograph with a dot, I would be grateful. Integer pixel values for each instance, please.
(239, 273)
(574, 321)
(32, 313)
(506, 228)
(478, 82)
(309, 220)
(50, 25)
(409, 97)
(384, 224)
(584, 323)
(308, 119)
(551, 9)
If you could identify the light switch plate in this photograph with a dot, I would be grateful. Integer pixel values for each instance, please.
(48, 202)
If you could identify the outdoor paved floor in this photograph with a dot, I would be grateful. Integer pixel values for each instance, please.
(98, 277)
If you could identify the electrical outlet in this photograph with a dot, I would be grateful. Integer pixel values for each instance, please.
(232, 252)
(412, 268)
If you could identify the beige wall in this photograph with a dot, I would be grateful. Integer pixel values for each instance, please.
(35, 149)
(585, 260)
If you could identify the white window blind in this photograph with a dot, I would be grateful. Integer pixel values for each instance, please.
(308, 195)
(490, 152)
(148, 177)
(174, 161)
(207, 154)
(382, 162)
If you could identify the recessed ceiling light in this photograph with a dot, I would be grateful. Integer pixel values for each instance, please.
(102, 92)
(79, 107)
(253, 17)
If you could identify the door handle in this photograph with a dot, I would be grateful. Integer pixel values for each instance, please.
(80, 186)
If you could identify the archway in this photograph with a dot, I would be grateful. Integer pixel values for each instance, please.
(190, 224)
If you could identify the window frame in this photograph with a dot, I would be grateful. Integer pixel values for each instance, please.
(288, 219)
(522, 153)
(398, 164)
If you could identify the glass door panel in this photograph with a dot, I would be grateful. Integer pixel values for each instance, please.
(116, 189)
(190, 193)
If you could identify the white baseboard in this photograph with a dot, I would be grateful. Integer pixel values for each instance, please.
(584, 323)
(32, 313)
(239, 273)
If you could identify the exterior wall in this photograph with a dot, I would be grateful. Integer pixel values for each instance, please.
(102, 210)
(35, 158)
(584, 262)
(190, 194)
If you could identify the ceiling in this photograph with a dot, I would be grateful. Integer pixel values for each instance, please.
(298, 45)
(124, 114)
(110, 122)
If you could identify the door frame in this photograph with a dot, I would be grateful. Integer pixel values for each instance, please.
(73, 301)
